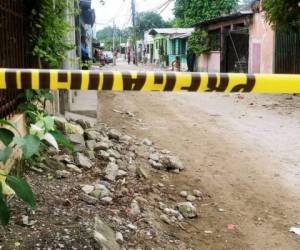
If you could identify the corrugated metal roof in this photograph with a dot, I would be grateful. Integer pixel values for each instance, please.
(170, 31)
(225, 18)
(185, 35)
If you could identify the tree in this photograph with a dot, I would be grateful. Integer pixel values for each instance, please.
(283, 14)
(106, 36)
(148, 20)
(199, 42)
(191, 12)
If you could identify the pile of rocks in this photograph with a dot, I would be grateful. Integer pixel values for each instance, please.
(123, 178)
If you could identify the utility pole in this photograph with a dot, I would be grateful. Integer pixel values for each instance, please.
(114, 33)
(134, 29)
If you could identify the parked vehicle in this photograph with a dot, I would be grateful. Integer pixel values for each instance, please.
(108, 57)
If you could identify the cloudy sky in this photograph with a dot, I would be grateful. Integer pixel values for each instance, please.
(120, 11)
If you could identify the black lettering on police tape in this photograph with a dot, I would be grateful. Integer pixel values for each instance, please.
(62, 77)
(94, 81)
(170, 82)
(76, 78)
(248, 87)
(11, 79)
(108, 81)
(158, 78)
(213, 81)
(195, 83)
(136, 83)
(26, 79)
(44, 79)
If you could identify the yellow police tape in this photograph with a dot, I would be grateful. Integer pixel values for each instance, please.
(148, 81)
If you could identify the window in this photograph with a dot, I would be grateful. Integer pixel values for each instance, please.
(215, 40)
(183, 47)
(173, 47)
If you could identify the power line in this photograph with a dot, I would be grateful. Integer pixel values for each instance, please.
(165, 7)
(159, 7)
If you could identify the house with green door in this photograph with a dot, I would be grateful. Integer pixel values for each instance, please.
(168, 43)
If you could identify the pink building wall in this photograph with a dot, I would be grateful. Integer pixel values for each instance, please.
(209, 62)
(261, 45)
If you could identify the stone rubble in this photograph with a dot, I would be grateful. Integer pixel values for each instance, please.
(73, 168)
(83, 161)
(115, 159)
(191, 198)
(111, 171)
(183, 193)
(187, 209)
(119, 237)
(62, 174)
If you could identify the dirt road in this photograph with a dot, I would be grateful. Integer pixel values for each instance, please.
(243, 151)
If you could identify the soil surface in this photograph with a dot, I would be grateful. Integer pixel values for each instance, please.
(243, 150)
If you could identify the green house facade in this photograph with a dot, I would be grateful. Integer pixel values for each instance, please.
(168, 44)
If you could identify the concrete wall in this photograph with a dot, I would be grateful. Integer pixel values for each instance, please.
(67, 97)
(209, 62)
(261, 45)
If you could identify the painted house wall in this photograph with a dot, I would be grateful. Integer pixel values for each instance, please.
(157, 58)
(149, 44)
(209, 62)
(157, 38)
(178, 52)
(261, 49)
(261, 45)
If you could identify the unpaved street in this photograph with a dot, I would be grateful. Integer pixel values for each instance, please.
(241, 150)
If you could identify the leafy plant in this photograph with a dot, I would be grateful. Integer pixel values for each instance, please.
(41, 129)
(10, 185)
(41, 125)
(283, 14)
(199, 42)
(17, 186)
(191, 12)
(34, 100)
(49, 30)
(149, 20)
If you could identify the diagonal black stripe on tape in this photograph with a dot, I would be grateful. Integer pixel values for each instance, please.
(26, 79)
(44, 79)
(11, 79)
(94, 81)
(171, 81)
(108, 80)
(195, 83)
(76, 79)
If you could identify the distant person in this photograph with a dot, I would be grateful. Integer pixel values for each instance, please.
(128, 56)
(176, 64)
(96, 56)
(133, 58)
(191, 57)
(102, 58)
(85, 51)
(115, 56)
